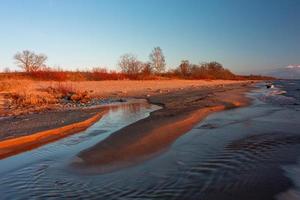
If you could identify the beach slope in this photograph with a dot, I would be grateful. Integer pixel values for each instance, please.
(148, 137)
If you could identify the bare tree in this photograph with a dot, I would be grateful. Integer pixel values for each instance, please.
(184, 68)
(157, 59)
(29, 61)
(147, 69)
(129, 64)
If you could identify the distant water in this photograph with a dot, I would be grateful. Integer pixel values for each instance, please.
(250, 153)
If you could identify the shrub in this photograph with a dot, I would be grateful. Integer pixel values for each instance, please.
(68, 92)
(211, 70)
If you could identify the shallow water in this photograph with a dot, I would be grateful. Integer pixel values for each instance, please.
(36, 174)
(245, 153)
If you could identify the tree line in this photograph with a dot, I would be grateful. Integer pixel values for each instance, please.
(29, 62)
(34, 65)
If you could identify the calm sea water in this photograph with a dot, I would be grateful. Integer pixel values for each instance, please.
(240, 154)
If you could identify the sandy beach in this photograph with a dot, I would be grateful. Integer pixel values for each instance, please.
(184, 104)
(23, 97)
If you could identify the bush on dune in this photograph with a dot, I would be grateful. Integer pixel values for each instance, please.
(67, 92)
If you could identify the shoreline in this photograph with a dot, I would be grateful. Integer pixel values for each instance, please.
(150, 136)
(17, 145)
(24, 125)
(16, 128)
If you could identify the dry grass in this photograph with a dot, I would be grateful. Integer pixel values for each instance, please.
(40, 95)
(24, 93)
(7, 85)
(11, 85)
(23, 99)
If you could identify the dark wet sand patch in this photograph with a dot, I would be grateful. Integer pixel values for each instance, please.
(16, 145)
(23, 125)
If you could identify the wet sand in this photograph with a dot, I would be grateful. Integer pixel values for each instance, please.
(16, 145)
(145, 138)
(13, 127)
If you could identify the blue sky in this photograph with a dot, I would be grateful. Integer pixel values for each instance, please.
(245, 36)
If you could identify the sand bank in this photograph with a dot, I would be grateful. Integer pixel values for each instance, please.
(181, 111)
(13, 146)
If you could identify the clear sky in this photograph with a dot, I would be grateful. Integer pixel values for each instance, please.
(244, 35)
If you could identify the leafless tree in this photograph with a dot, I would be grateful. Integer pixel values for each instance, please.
(29, 61)
(184, 68)
(157, 60)
(147, 69)
(129, 64)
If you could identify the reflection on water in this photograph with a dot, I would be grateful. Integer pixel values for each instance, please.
(248, 153)
(33, 170)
